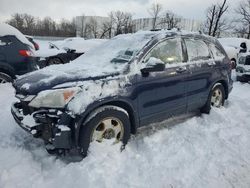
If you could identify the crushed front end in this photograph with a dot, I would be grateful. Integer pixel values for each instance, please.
(54, 126)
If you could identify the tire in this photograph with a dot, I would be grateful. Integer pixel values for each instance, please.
(97, 124)
(218, 87)
(233, 61)
(54, 61)
(4, 78)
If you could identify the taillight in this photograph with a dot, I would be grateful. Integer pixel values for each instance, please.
(36, 46)
(25, 53)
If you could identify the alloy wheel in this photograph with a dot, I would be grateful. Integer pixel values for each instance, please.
(108, 128)
(216, 99)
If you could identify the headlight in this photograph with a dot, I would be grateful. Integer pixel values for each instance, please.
(54, 98)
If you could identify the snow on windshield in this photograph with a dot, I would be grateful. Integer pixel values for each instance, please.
(6, 29)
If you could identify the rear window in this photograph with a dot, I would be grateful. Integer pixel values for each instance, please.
(4, 41)
(197, 50)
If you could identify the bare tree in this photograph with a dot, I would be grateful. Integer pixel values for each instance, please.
(155, 11)
(119, 23)
(17, 21)
(170, 20)
(244, 12)
(82, 25)
(92, 28)
(215, 23)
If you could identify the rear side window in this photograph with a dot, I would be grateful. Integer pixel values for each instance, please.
(168, 51)
(217, 53)
(197, 50)
(4, 41)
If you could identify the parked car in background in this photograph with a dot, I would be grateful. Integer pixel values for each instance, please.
(125, 83)
(16, 54)
(61, 52)
(31, 39)
(243, 68)
(233, 47)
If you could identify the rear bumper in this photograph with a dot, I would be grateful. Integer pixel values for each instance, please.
(58, 135)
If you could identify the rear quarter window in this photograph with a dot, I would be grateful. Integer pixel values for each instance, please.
(4, 41)
(197, 50)
(217, 52)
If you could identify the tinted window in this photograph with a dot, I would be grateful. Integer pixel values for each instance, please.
(168, 51)
(217, 53)
(4, 41)
(197, 50)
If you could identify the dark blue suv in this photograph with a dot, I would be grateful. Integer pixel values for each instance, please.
(127, 82)
(16, 55)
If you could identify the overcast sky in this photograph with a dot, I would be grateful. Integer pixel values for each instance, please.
(58, 9)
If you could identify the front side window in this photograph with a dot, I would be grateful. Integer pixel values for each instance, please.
(168, 51)
(197, 50)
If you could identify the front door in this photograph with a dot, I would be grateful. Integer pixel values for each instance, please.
(163, 94)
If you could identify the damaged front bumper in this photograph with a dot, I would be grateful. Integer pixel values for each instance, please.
(53, 126)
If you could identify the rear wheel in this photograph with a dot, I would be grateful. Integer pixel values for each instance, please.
(233, 62)
(109, 123)
(4, 78)
(54, 61)
(216, 98)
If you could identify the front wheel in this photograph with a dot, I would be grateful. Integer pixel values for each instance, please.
(108, 123)
(216, 98)
(54, 61)
(4, 78)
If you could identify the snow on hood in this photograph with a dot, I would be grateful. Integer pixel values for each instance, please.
(6, 29)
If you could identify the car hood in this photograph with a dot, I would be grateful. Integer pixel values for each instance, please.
(33, 83)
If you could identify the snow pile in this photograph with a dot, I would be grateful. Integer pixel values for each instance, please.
(78, 44)
(81, 45)
(198, 151)
(6, 29)
(234, 42)
(45, 50)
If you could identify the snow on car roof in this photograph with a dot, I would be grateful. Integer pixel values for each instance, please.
(6, 29)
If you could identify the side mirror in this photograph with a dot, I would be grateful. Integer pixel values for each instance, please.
(153, 67)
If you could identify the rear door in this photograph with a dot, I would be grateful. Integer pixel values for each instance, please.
(163, 94)
(202, 67)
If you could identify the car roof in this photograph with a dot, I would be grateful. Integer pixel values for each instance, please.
(7, 30)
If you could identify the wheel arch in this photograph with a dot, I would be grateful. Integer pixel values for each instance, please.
(225, 85)
(7, 70)
(127, 106)
(54, 57)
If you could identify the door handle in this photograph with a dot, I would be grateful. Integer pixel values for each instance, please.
(181, 69)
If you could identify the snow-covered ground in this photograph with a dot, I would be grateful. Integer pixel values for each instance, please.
(198, 151)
